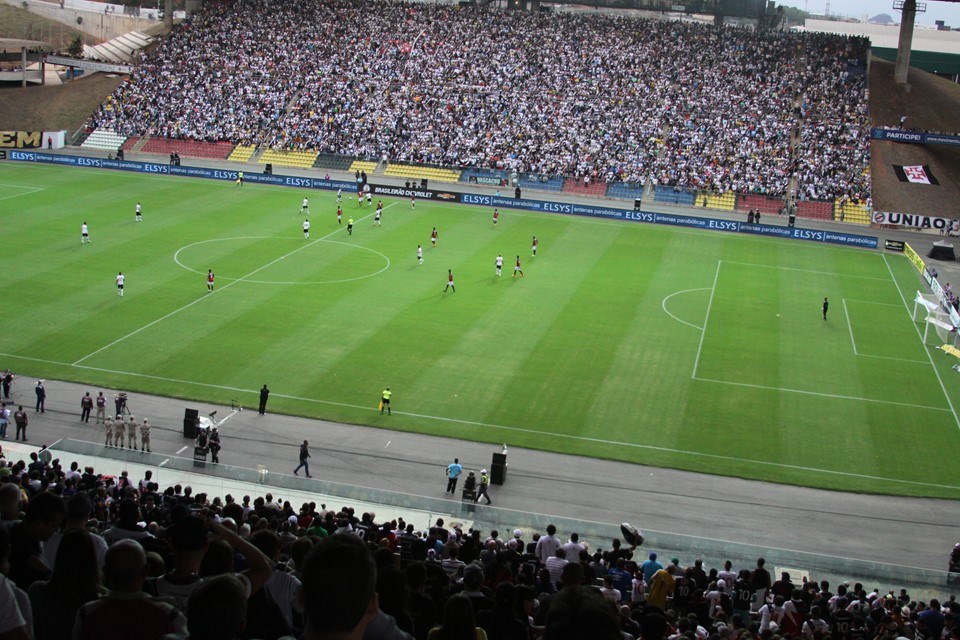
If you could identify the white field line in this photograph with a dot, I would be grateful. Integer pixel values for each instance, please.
(663, 305)
(869, 355)
(703, 334)
(895, 359)
(824, 273)
(882, 304)
(538, 432)
(206, 297)
(849, 326)
(824, 395)
(32, 190)
(919, 335)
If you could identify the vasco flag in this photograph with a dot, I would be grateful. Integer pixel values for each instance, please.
(915, 173)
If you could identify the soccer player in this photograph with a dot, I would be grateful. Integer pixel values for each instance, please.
(240, 179)
(535, 244)
(350, 226)
(379, 204)
(305, 206)
(419, 254)
(517, 269)
(210, 278)
(339, 215)
(339, 196)
(499, 264)
(413, 202)
(376, 217)
(369, 195)
(139, 217)
(306, 228)
(826, 305)
(449, 282)
(496, 216)
(359, 197)
(84, 233)
(433, 237)
(120, 280)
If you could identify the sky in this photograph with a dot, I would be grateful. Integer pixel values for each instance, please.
(947, 11)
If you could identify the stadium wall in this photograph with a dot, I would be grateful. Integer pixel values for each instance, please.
(696, 222)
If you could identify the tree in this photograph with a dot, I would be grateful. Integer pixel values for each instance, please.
(76, 47)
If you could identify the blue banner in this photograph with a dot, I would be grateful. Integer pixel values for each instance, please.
(677, 220)
(914, 137)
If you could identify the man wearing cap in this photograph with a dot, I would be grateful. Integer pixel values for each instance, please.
(454, 469)
(650, 567)
(482, 486)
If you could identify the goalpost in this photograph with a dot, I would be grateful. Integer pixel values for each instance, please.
(944, 332)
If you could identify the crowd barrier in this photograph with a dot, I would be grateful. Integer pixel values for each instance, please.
(632, 215)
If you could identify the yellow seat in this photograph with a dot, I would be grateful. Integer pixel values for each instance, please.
(362, 165)
(242, 153)
(431, 173)
(854, 212)
(724, 201)
(286, 158)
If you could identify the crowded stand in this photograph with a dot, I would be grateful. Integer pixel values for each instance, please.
(602, 97)
(89, 555)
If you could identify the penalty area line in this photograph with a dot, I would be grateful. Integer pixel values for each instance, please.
(538, 432)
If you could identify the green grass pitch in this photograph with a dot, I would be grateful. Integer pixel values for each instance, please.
(661, 346)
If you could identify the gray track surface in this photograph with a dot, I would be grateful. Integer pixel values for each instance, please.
(907, 531)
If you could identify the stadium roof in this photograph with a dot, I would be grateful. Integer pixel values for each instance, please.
(888, 36)
(12, 44)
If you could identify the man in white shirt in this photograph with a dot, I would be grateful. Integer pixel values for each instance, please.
(547, 545)
(573, 548)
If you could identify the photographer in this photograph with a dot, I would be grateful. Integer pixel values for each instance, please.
(120, 402)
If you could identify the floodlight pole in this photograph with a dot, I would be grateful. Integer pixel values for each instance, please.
(908, 9)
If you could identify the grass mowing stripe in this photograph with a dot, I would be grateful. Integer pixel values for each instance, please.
(254, 392)
(220, 290)
(920, 336)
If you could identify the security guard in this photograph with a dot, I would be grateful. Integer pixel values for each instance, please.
(484, 484)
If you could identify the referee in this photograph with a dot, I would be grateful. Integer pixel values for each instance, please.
(385, 400)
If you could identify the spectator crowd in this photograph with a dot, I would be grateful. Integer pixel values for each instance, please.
(593, 96)
(93, 556)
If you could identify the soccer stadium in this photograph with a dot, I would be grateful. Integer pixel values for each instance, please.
(659, 295)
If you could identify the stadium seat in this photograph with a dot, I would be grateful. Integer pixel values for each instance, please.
(362, 165)
(300, 159)
(242, 153)
(673, 195)
(816, 209)
(757, 202)
(851, 212)
(576, 185)
(722, 201)
(195, 148)
(104, 139)
(417, 172)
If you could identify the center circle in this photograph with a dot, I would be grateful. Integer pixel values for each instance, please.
(177, 257)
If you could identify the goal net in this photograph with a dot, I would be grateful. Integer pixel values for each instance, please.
(925, 304)
(938, 329)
